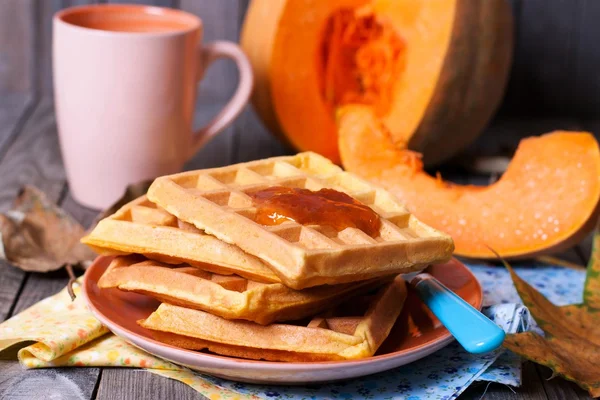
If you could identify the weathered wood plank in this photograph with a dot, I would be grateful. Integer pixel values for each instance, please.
(544, 70)
(587, 63)
(13, 113)
(592, 125)
(221, 22)
(134, 384)
(38, 286)
(11, 281)
(15, 108)
(15, 170)
(554, 68)
(44, 12)
(17, 36)
(85, 216)
(217, 152)
(531, 388)
(509, 104)
(42, 384)
(34, 158)
(253, 141)
(65, 383)
(558, 388)
(556, 61)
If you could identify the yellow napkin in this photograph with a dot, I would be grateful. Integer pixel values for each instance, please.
(66, 334)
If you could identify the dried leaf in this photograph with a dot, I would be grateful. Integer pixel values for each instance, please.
(39, 236)
(571, 345)
(132, 192)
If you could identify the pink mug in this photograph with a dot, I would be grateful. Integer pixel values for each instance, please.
(125, 81)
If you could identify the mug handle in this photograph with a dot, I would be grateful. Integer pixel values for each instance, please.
(209, 53)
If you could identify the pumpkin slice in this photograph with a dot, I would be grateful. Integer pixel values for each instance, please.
(434, 71)
(547, 199)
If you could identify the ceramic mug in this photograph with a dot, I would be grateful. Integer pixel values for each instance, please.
(125, 80)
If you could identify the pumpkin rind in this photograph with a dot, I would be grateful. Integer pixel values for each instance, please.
(458, 56)
(472, 84)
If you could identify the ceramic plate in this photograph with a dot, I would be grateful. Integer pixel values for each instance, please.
(416, 334)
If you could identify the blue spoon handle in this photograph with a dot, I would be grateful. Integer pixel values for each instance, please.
(473, 330)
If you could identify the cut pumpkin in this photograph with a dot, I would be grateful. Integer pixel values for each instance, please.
(433, 71)
(547, 199)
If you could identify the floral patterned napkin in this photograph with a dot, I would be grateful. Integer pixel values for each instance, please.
(66, 334)
(442, 375)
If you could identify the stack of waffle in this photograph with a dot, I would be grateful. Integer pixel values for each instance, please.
(285, 292)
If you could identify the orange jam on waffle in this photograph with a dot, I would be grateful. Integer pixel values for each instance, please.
(323, 207)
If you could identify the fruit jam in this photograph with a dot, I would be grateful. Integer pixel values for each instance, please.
(276, 205)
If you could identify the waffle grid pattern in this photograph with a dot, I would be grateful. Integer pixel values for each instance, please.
(217, 202)
(143, 211)
(228, 188)
(142, 227)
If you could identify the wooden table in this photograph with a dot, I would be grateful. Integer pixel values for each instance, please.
(29, 154)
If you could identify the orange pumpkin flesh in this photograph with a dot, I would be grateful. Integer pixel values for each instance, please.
(547, 199)
(360, 59)
(432, 70)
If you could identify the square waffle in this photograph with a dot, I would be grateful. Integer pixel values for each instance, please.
(143, 228)
(338, 335)
(228, 296)
(217, 202)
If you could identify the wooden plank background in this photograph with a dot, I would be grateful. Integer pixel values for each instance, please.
(555, 78)
(556, 59)
(555, 71)
(29, 153)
